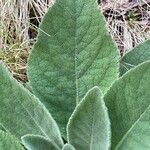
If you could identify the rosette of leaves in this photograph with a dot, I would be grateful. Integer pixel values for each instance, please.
(78, 100)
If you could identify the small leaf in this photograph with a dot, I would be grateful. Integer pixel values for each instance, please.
(89, 126)
(9, 142)
(22, 113)
(68, 147)
(36, 142)
(134, 57)
(74, 53)
(128, 102)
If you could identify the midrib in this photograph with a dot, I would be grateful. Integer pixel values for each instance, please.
(75, 54)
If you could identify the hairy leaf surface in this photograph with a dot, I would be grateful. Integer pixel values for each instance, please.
(36, 142)
(89, 126)
(134, 57)
(73, 53)
(9, 142)
(22, 113)
(128, 102)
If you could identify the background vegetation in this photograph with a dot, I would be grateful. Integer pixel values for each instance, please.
(128, 21)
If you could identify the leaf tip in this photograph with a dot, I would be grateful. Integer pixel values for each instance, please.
(96, 90)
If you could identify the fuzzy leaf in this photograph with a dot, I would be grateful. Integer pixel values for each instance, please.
(9, 142)
(74, 53)
(134, 57)
(68, 147)
(22, 113)
(128, 102)
(89, 126)
(36, 142)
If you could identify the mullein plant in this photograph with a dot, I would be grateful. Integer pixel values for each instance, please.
(84, 95)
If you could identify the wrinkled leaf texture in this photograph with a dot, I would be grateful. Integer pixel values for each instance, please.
(74, 53)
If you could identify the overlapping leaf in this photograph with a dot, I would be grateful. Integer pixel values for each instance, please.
(134, 57)
(22, 113)
(89, 127)
(74, 52)
(35, 142)
(128, 102)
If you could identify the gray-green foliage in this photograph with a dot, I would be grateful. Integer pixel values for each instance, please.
(76, 53)
(21, 112)
(134, 57)
(9, 142)
(36, 142)
(90, 121)
(73, 69)
(128, 103)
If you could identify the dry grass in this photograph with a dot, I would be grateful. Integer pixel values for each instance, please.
(20, 19)
(18, 29)
(131, 28)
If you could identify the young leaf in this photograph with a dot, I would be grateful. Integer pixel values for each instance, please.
(9, 142)
(36, 142)
(22, 113)
(68, 147)
(128, 102)
(74, 52)
(134, 57)
(89, 126)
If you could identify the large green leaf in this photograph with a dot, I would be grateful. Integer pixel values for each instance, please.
(36, 142)
(89, 126)
(134, 57)
(68, 147)
(9, 142)
(22, 113)
(74, 52)
(128, 102)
